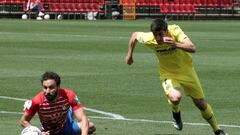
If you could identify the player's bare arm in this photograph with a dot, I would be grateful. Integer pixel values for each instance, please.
(82, 120)
(131, 45)
(185, 45)
(25, 120)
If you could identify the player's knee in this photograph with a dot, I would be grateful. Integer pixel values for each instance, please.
(175, 96)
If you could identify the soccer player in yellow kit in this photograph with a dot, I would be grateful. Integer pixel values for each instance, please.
(173, 49)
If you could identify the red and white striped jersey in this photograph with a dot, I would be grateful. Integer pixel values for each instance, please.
(53, 114)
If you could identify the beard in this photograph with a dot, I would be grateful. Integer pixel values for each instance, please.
(50, 97)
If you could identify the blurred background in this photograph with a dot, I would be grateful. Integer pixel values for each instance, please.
(126, 9)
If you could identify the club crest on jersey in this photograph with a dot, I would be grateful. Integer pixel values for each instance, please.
(77, 100)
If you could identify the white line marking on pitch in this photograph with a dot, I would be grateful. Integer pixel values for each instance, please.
(119, 117)
(140, 120)
(115, 116)
(168, 122)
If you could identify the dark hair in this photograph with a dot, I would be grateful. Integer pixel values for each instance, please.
(51, 75)
(159, 25)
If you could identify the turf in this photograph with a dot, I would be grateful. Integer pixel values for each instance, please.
(89, 55)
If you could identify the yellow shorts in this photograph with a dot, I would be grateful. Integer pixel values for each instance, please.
(191, 86)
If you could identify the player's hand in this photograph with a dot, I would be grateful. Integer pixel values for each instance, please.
(46, 133)
(169, 41)
(129, 60)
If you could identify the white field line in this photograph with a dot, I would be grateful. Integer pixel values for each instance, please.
(119, 117)
(115, 116)
(13, 98)
(140, 120)
(164, 122)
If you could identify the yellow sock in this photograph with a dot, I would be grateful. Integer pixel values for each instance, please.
(175, 108)
(209, 116)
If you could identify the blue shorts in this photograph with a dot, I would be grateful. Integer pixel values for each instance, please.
(36, 8)
(71, 127)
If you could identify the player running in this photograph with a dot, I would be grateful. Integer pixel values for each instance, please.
(173, 49)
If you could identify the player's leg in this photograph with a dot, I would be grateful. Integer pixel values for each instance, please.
(207, 112)
(172, 91)
(194, 90)
(37, 9)
(73, 127)
(208, 115)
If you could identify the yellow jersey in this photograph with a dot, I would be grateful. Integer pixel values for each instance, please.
(174, 63)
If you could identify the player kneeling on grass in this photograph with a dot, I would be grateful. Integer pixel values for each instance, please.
(56, 107)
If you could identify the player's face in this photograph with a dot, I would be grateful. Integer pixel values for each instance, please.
(50, 89)
(158, 35)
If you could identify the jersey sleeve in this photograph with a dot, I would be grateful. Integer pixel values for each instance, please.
(177, 33)
(145, 37)
(31, 107)
(74, 101)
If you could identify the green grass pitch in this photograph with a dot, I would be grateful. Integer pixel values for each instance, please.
(89, 55)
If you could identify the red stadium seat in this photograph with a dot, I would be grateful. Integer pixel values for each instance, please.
(12, 1)
(53, 1)
(54, 7)
(160, 2)
(198, 3)
(164, 9)
(17, 1)
(79, 7)
(80, 1)
(68, 7)
(3, 1)
(95, 1)
(154, 2)
(84, 7)
(177, 2)
(63, 1)
(189, 9)
(94, 7)
(101, 2)
(71, 1)
(186, 2)
(142, 2)
(179, 9)
(167, 8)
(226, 3)
(213, 3)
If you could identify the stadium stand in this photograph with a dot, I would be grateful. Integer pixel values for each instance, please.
(190, 8)
(139, 8)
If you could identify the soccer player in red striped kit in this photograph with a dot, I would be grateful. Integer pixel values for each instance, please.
(56, 107)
